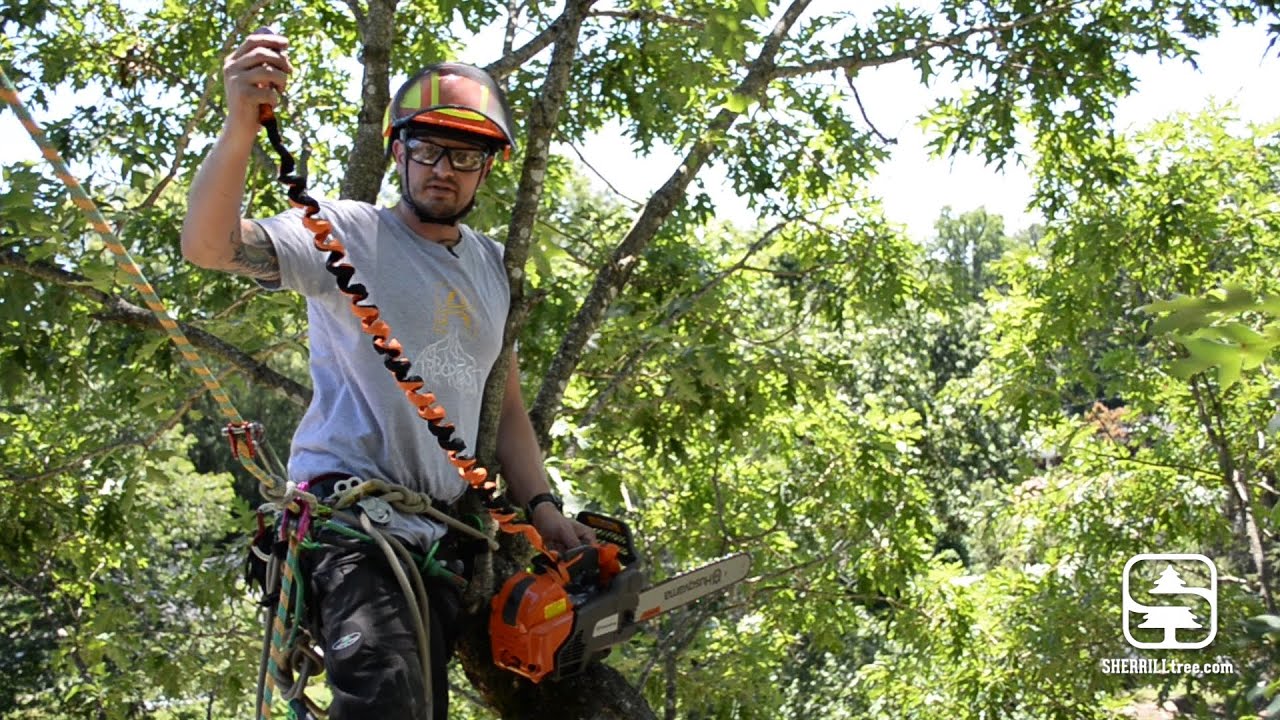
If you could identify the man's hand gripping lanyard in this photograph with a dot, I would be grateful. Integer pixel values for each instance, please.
(372, 324)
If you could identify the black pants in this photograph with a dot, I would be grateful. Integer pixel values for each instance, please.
(362, 619)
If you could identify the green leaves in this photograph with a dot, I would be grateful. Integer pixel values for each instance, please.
(1212, 332)
(1264, 626)
(738, 103)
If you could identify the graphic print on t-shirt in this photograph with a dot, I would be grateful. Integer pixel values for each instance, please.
(446, 361)
(451, 308)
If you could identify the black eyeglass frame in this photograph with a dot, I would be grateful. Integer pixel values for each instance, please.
(410, 144)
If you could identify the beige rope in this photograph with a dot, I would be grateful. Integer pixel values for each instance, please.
(403, 499)
(420, 628)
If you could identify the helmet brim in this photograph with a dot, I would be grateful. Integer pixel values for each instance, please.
(485, 127)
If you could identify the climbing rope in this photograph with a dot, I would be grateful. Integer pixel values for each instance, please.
(269, 485)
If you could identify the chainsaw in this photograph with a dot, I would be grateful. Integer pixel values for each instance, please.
(565, 614)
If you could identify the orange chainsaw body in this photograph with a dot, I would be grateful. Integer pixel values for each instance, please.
(562, 615)
(531, 619)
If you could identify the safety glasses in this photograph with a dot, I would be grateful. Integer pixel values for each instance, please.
(428, 153)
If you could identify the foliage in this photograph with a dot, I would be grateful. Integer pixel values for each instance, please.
(938, 456)
(1212, 331)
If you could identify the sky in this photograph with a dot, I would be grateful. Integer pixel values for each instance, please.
(913, 187)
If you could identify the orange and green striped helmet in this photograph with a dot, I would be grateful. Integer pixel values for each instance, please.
(454, 97)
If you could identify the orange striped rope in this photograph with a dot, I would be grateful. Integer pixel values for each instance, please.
(372, 324)
(269, 485)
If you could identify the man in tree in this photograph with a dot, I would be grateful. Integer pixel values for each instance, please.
(442, 289)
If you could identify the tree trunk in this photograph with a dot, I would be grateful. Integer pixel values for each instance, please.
(1237, 485)
(542, 118)
(368, 161)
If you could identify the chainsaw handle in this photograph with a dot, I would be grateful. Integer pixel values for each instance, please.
(589, 565)
(613, 532)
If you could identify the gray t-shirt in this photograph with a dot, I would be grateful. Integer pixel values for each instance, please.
(447, 309)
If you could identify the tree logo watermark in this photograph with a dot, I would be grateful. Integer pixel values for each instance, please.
(1167, 592)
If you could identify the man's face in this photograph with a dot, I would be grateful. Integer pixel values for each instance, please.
(434, 182)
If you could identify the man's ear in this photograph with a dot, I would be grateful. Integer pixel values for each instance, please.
(397, 152)
(488, 167)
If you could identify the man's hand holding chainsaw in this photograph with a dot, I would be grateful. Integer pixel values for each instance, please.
(558, 532)
(522, 466)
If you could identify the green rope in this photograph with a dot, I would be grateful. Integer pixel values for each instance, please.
(278, 646)
(427, 563)
(299, 599)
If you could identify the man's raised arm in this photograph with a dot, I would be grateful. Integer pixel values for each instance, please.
(214, 235)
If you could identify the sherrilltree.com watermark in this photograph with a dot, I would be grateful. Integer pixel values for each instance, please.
(1165, 666)
(1170, 602)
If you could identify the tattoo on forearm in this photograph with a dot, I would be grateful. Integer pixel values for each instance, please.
(254, 255)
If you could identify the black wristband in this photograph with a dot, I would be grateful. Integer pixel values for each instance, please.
(540, 498)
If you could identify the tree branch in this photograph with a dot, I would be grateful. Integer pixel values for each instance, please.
(1237, 486)
(581, 158)
(852, 63)
(542, 119)
(858, 99)
(689, 621)
(675, 310)
(509, 36)
(367, 161)
(616, 271)
(357, 11)
(121, 311)
(510, 61)
(123, 441)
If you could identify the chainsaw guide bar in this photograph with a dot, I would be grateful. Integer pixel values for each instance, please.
(692, 584)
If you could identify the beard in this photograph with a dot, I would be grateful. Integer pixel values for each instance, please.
(441, 199)
(438, 202)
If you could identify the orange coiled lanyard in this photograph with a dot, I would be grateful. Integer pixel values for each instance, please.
(476, 477)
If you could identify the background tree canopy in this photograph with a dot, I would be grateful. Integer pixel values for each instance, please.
(940, 456)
